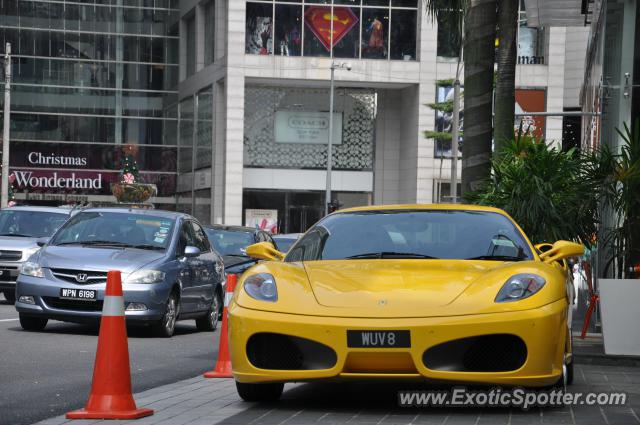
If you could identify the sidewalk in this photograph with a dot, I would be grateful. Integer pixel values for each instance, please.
(198, 401)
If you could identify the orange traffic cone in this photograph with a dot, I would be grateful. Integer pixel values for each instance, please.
(110, 396)
(223, 365)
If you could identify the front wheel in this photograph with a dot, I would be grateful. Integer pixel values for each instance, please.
(260, 392)
(10, 295)
(209, 322)
(167, 324)
(31, 323)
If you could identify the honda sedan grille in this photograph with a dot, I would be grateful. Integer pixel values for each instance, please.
(80, 277)
(10, 255)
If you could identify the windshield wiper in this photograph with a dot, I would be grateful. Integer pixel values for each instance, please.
(147, 246)
(104, 243)
(391, 254)
(497, 258)
(18, 235)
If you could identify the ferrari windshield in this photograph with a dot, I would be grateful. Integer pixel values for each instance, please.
(413, 234)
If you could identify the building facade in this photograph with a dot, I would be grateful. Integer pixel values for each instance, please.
(237, 127)
(270, 79)
(91, 80)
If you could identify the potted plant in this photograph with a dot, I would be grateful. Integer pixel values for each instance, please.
(129, 190)
(620, 286)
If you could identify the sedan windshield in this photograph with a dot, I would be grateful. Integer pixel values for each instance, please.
(110, 229)
(229, 242)
(413, 234)
(30, 224)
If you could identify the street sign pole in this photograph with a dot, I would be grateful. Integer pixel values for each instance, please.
(4, 180)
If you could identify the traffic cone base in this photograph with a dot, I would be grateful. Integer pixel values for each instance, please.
(95, 414)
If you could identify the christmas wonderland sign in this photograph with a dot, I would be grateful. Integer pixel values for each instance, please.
(82, 169)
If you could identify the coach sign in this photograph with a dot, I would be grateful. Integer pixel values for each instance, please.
(307, 127)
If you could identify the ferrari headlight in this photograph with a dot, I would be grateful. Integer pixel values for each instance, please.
(145, 276)
(29, 268)
(262, 287)
(519, 287)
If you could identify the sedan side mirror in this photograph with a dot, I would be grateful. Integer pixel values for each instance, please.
(191, 251)
(42, 241)
(264, 251)
(561, 250)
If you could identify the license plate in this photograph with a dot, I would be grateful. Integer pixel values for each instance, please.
(379, 339)
(78, 294)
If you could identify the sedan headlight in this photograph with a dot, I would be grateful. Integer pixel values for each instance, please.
(261, 287)
(29, 268)
(145, 276)
(29, 252)
(519, 287)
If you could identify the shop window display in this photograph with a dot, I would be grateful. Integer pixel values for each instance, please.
(367, 29)
(259, 33)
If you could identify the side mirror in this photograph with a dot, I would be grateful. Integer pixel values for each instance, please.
(42, 241)
(561, 250)
(191, 251)
(264, 251)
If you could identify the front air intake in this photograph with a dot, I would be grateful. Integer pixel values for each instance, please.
(285, 352)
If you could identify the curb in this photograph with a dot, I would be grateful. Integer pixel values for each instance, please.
(606, 360)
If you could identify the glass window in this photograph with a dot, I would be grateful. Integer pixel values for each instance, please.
(30, 224)
(204, 136)
(199, 238)
(348, 32)
(449, 37)
(259, 31)
(108, 228)
(288, 30)
(403, 34)
(230, 242)
(185, 151)
(209, 32)
(453, 234)
(191, 45)
(317, 31)
(375, 33)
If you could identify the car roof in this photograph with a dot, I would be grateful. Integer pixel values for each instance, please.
(231, 228)
(141, 211)
(34, 208)
(443, 207)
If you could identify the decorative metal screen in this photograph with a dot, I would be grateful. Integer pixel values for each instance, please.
(358, 107)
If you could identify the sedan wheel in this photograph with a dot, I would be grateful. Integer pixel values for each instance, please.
(10, 295)
(32, 323)
(209, 322)
(167, 325)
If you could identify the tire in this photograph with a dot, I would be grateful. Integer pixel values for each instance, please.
(32, 323)
(167, 325)
(570, 373)
(260, 392)
(10, 295)
(209, 322)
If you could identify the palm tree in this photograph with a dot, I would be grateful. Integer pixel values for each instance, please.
(506, 75)
(479, 50)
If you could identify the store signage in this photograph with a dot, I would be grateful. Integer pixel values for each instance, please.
(29, 180)
(38, 158)
(319, 20)
(531, 100)
(307, 127)
(262, 219)
(89, 156)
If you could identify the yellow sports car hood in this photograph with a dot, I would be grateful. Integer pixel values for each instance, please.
(396, 288)
(407, 287)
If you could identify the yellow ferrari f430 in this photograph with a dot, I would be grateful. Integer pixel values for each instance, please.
(443, 293)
